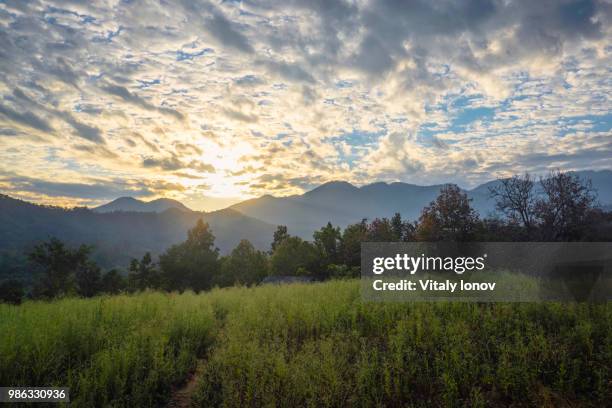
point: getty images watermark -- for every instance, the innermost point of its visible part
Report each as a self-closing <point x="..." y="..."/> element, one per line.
<point x="486" y="271"/>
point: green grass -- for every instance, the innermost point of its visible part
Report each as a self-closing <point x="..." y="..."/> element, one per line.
<point x="310" y="345"/>
<point x="121" y="350"/>
<point x="319" y="345"/>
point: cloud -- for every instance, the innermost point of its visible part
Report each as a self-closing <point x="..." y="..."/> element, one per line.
<point x="240" y="116"/>
<point x="173" y="163"/>
<point x="143" y="140"/>
<point x="372" y="56"/>
<point x="276" y="96"/>
<point x="225" y="31"/>
<point x="85" y="131"/>
<point x="91" y="133"/>
<point x="95" y="190"/>
<point x="128" y="96"/>
<point x="188" y="148"/>
<point x="168" y="163"/>
<point x="96" y="150"/>
<point x="8" y="132"/>
<point x="249" y="80"/>
<point x="288" y="71"/>
<point x="59" y="69"/>
<point x="26" y="118"/>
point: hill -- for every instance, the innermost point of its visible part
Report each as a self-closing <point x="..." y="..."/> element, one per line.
<point x="343" y="203"/>
<point x="116" y="236"/>
<point x="130" y="204"/>
<point x="338" y="202"/>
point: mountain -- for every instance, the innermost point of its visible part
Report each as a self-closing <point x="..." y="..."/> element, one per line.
<point x="127" y="228"/>
<point x="338" y="202"/>
<point x="343" y="203"/>
<point x="116" y="236"/>
<point x="130" y="204"/>
<point x="602" y="182"/>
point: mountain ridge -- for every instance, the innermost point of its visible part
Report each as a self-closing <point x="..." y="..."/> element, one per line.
<point x="118" y="236"/>
<point x="343" y="203"/>
<point x="131" y="204"/>
<point x="330" y="192"/>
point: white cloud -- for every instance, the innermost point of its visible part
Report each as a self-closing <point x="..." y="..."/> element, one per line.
<point x="277" y="96"/>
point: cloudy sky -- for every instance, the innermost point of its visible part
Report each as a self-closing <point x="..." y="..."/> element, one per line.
<point x="193" y="99"/>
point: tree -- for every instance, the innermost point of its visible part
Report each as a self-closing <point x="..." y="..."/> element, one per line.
<point x="564" y="209"/>
<point x="397" y="226"/>
<point x="598" y="226"/>
<point x="403" y="231"/>
<point x="496" y="229"/>
<point x="294" y="256"/>
<point x="448" y="218"/>
<point x="279" y="236"/>
<point x="381" y="230"/>
<point x="11" y="291"/>
<point x="143" y="274"/>
<point x="192" y="264"/>
<point x="244" y="265"/>
<point x="87" y="278"/>
<point x="342" y="271"/>
<point x="59" y="265"/>
<point x="328" y="241"/>
<point x="112" y="282"/>
<point x="515" y="197"/>
<point x="352" y="237"/>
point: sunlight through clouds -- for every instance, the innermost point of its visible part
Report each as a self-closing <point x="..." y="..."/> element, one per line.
<point x="200" y="101"/>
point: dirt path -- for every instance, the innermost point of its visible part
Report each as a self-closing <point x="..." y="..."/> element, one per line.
<point x="181" y="397"/>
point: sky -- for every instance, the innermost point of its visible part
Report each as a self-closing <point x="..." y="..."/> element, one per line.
<point x="214" y="102"/>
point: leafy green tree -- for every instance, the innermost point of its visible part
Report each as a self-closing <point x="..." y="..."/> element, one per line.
<point x="143" y="274"/>
<point x="328" y="242"/>
<point x="403" y="231"/>
<point x="112" y="282"/>
<point x="279" y="236"/>
<point x="294" y="256"/>
<point x="342" y="271"/>
<point x="192" y="264"/>
<point x="397" y="226"/>
<point x="352" y="237"/>
<point x="245" y="265"/>
<point x="448" y="218"/>
<point x="59" y="265"/>
<point x="11" y="291"/>
<point x="88" y="279"/>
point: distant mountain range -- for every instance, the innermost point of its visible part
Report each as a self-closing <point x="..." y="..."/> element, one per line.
<point x="343" y="203"/>
<point x="130" y="204"/>
<point x="117" y="236"/>
<point x="127" y="227"/>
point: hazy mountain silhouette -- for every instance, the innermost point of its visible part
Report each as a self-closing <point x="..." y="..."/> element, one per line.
<point x="339" y="202"/>
<point x="130" y="204"/>
<point x="117" y="236"/>
<point x="127" y="227"/>
<point x="343" y="203"/>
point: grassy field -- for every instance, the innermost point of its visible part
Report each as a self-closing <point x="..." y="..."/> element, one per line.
<point x="310" y="345"/>
<point x="120" y="350"/>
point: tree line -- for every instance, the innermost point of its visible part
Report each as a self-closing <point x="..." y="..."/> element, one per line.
<point x="560" y="207"/>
